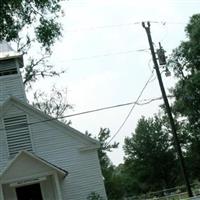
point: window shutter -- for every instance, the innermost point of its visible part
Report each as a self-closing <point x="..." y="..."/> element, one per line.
<point x="18" y="136"/>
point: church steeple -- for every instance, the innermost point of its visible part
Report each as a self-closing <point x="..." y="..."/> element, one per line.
<point x="11" y="83"/>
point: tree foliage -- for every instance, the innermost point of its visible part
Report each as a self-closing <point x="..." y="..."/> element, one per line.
<point x="94" y="196"/>
<point x="54" y="104"/>
<point x="185" y="62"/>
<point x="38" y="68"/>
<point x="103" y="137"/>
<point x="19" y="15"/>
<point x="32" y="25"/>
<point x="149" y="157"/>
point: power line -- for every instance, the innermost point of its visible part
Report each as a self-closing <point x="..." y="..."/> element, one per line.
<point x="129" y="113"/>
<point x="108" y="54"/>
<point x="120" y="52"/>
<point x="144" y="102"/>
<point x="93" y="28"/>
<point x="168" y="22"/>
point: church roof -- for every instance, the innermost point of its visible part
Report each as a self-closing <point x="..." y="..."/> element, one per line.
<point x="27" y="161"/>
<point x="5" y="47"/>
<point x="6" y="51"/>
<point x="91" y="143"/>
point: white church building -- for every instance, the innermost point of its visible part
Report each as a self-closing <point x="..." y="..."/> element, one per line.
<point x="40" y="158"/>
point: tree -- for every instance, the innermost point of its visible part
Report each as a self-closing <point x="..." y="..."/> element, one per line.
<point x="54" y="104"/>
<point x="19" y="15"/>
<point x="150" y="162"/>
<point x="94" y="196"/>
<point x="103" y="138"/>
<point x="185" y="61"/>
<point x="107" y="167"/>
<point x="28" y="23"/>
<point x="38" y="68"/>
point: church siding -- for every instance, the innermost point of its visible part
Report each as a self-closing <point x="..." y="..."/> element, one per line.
<point x="52" y="141"/>
<point x="59" y="147"/>
<point x="11" y="85"/>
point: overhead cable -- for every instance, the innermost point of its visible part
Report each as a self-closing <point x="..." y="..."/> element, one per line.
<point x="109" y="54"/>
<point x="143" y="102"/>
<point x="93" y="28"/>
<point x="131" y="110"/>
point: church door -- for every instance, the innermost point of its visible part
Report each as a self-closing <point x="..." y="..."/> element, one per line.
<point x="29" y="192"/>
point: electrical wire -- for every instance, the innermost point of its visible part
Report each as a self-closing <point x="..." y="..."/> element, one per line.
<point x="143" y="102"/>
<point x="120" y="52"/>
<point x="93" y="28"/>
<point x="131" y="110"/>
<point x="108" y="54"/>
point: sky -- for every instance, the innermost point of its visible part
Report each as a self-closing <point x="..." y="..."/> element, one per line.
<point x="105" y="53"/>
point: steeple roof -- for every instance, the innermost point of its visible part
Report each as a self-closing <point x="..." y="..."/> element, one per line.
<point x="6" y="51"/>
<point x="5" y="47"/>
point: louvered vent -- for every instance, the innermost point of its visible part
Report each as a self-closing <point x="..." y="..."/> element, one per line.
<point x="8" y="67"/>
<point x="18" y="136"/>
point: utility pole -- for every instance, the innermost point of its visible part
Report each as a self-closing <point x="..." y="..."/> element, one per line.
<point x="168" y="109"/>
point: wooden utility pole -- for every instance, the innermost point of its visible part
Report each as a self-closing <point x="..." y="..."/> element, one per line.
<point x="168" y="109"/>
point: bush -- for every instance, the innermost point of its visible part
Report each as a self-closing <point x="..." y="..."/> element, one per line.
<point x="94" y="196"/>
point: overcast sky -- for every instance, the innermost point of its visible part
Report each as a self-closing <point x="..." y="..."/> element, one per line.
<point x="104" y="51"/>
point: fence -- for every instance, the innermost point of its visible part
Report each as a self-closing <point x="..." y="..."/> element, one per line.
<point x="177" y="193"/>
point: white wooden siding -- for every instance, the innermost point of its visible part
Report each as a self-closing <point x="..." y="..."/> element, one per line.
<point x="11" y="85"/>
<point x="4" y="154"/>
<point x="58" y="147"/>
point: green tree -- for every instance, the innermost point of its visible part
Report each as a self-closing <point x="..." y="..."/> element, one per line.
<point x="150" y="162"/>
<point x="104" y="137"/>
<point x="94" y="196"/>
<point x="20" y="15"/>
<point x="185" y="61"/>
<point x="29" y="23"/>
